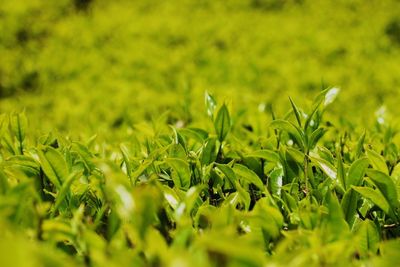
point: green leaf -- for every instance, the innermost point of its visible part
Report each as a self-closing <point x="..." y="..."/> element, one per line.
<point x="209" y="153"/>
<point x="289" y="200"/>
<point x="375" y="196"/>
<point x="368" y="237"/>
<point x="178" y="139"/>
<point x="336" y="224"/>
<point x="244" y="195"/>
<point x="18" y="125"/>
<point x="268" y="155"/>
<point x="388" y="253"/>
<point x="171" y="196"/>
<point x="248" y="175"/>
<point x="26" y="164"/>
<point x="340" y="170"/>
<point x="315" y="136"/>
<point x="360" y="144"/>
<point x="297" y="155"/>
<point x="356" y="172"/>
<point x="327" y="96"/>
<point x="228" y="172"/>
<point x="8" y="144"/>
<point x="267" y="218"/>
<point x="139" y="171"/>
<point x="192" y="197"/>
<point x="386" y="185"/>
<point x="330" y="95"/>
<point x="377" y="161"/>
<point x="317" y="104"/>
<point x="65" y="189"/>
<point x="275" y="181"/>
<point x="296" y="112"/>
<point x="349" y="206"/>
<point x="218" y="243"/>
<point x="210" y="104"/>
<point x="194" y="133"/>
<point x="85" y="155"/>
<point x="290" y="128"/>
<point x="53" y="165"/>
<point x="177" y="151"/>
<point x="126" y="158"/>
<point x="181" y="176"/>
<point x="222" y="123"/>
<point x="325" y="166"/>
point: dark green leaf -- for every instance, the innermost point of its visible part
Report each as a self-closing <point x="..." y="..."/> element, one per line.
<point x="209" y="153"/>
<point x="349" y="206"/>
<point x="296" y="111"/>
<point x="222" y="123"/>
<point x="18" y="125"/>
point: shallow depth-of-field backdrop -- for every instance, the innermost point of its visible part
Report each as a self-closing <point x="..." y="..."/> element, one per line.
<point x="92" y="66"/>
<point x="161" y="133"/>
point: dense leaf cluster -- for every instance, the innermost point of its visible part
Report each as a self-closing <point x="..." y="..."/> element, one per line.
<point x="192" y="197"/>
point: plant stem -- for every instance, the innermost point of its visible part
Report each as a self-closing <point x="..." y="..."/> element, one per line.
<point x="306" y="170"/>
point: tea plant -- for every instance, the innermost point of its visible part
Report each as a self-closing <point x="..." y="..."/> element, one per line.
<point x="202" y="197"/>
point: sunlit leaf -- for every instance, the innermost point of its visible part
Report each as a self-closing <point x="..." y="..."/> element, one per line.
<point x="211" y="104"/>
<point x="182" y="174"/>
<point x="368" y="237"/>
<point x="377" y="161"/>
<point x="326" y="167"/>
<point x="290" y="128"/>
<point x="375" y="196"/>
<point x="268" y="155"/>
<point x="248" y="175"/>
<point x="275" y="181"/>
<point x="356" y="172"/>
<point x="331" y="95"/>
<point x="65" y="189"/>
<point x="386" y="185"/>
<point x="54" y="165"/>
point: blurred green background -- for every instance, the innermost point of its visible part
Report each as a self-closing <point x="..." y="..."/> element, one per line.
<point x="96" y="66"/>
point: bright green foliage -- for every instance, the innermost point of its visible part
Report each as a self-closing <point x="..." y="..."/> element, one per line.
<point x="183" y="196"/>
<point x="123" y="163"/>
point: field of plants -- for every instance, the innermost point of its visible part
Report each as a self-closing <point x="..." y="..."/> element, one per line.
<point x="199" y="133"/>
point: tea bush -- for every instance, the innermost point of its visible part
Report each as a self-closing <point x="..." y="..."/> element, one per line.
<point x="111" y="154"/>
